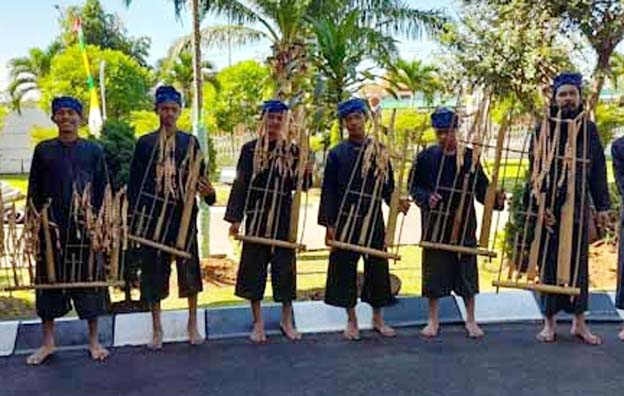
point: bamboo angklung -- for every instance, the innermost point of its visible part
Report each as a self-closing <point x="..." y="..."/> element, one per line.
<point x="173" y="187"/>
<point x="551" y="168"/>
<point x="434" y="235"/>
<point x="89" y="238"/>
<point x="291" y="147"/>
<point x="373" y="159"/>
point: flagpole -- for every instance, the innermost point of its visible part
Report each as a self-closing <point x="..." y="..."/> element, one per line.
<point x="95" y="115"/>
<point x="103" y="89"/>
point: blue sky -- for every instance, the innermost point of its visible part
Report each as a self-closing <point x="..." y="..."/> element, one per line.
<point x="33" y="23"/>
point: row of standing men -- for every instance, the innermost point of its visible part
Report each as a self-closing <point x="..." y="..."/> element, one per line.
<point x="67" y="162"/>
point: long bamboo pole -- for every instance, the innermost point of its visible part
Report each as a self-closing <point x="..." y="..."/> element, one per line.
<point x="490" y="195"/>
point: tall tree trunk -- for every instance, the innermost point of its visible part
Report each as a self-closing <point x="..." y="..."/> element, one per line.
<point x="198" y="124"/>
<point x="599" y="75"/>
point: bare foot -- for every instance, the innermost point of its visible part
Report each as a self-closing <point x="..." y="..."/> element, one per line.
<point x="98" y="352"/>
<point x="289" y="331"/>
<point x="194" y="337"/>
<point x="582" y="332"/>
<point x="621" y="335"/>
<point x="351" y="332"/>
<point x="474" y="331"/>
<point x="40" y="356"/>
<point x="257" y="335"/>
<point x="431" y="330"/>
<point x="384" y="329"/>
<point x="156" y="344"/>
<point x="547" y="335"/>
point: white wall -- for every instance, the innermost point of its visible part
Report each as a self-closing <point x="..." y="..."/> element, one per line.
<point x="16" y="148"/>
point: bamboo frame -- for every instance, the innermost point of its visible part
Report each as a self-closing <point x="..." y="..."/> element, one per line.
<point x="363" y="250"/>
<point x="68" y="285"/>
<point x="171" y="184"/>
<point x="194" y="166"/>
<point x="547" y="152"/>
<point x="278" y="161"/>
<point x="271" y="242"/>
<point x="539" y="287"/>
<point x="458" y="249"/>
<point x="434" y="234"/>
<point x="88" y="235"/>
<point x="165" y="248"/>
<point x="366" y="162"/>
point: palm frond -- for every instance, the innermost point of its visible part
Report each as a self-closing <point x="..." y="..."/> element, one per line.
<point x="218" y="36"/>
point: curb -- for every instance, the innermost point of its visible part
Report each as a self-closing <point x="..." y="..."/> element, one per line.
<point x="22" y="337"/>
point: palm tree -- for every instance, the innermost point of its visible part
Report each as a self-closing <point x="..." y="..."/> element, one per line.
<point x="414" y="76"/>
<point x="25" y="72"/>
<point x="339" y="49"/>
<point x="288" y="24"/>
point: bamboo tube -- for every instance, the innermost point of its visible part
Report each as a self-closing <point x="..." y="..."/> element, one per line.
<point x="114" y="260"/>
<point x="344" y="233"/>
<point x="539" y="287"/>
<point x="124" y="220"/>
<point x="459" y="213"/>
<point x="566" y="226"/>
<point x="139" y="230"/>
<point x="12" y="247"/>
<point x="271" y="214"/>
<point x="490" y="195"/>
<point x="344" y="197"/>
<point x="395" y="200"/>
<point x="583" y="194"/>
<point x="90" y="265"/>
<point x="161" y="217"/>
<point x="31" y="271"/>
<point x="189" y="197"/>
<point x="265" y="194"/>
<point x="301" y="166"/>
<point x="117" y="235"/>
<point x="73" y="271"/>
<point x="49" y="253"/>
<point x="366" y="223"/>
<point x="513" y="264"/>
<point x="534" y="251"/>
<point x="160" y="246"/>
<point x="458" y="249"/>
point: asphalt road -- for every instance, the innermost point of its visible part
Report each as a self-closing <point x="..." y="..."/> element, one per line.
<point x="507" y="362"/>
